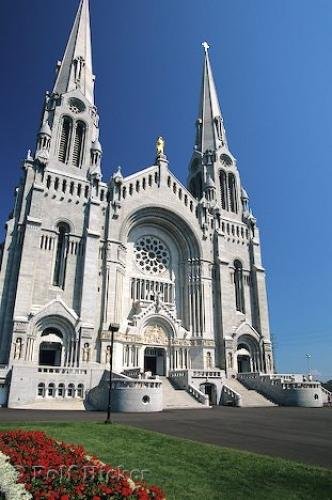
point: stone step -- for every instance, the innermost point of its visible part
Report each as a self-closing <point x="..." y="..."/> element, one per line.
<point x="177" y="398"/>
<point x="54" y="404"/>
<point x="249" y="397"/>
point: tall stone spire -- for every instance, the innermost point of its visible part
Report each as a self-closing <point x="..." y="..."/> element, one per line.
<point x="211" y="153"/>
<point x="210" y="129"/>
<point x="75" y="70"/>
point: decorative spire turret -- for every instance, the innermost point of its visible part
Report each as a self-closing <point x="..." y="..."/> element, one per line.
<point x="213" y="175"/>
<point x="210" y="129"/>
<point x="75" y="69"/>
<point x="68" y="139"/>
<point x="210" y="135"/>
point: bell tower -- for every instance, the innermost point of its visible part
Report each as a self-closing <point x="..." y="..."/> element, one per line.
<point x="213" y="175"/>
<point x="68" y="139"/>
<point x="51" y="252"/>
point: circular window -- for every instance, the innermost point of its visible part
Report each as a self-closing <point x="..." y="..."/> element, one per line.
<point x="152" y="255"/>
<point x="226" y="160"/>
<point x="145" y="400"/>
<point x="76" y="105"/>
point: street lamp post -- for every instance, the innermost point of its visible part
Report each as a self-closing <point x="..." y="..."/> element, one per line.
<point x="114" y="327"/>
<point x="308" y="356"/>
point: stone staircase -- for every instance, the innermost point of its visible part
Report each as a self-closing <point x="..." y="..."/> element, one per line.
<point x="178" y="398"/>
<point x="54" y="404"/>
<point x="249" y="397"/>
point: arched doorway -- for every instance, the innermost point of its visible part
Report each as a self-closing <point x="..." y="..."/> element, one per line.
<point x="243" y="361"/>
<point x="248" y="355"/>
<point x="155" y="361"/>
<point x="211" y="391"/>
<point x="51" y="348"/>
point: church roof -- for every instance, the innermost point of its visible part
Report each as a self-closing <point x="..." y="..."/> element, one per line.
<point x="76" y="67"/>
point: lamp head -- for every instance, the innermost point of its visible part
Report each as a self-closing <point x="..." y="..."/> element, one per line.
<point x="114" y="327"/>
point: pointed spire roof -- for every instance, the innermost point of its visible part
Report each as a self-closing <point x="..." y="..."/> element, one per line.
<point x="211" y="135"/>
<point x="75" y="70"/>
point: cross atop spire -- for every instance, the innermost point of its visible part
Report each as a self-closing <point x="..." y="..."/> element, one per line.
<point x="210" y="129"/>
<point x="206" y="46"/>
<point x="75" y="70"/>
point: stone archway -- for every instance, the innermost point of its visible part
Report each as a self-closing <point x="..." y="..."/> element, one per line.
<point x="51" y="348"/>
<point x="243" y="361"/>
<point x="248" y="355"/>
<point x="156" y="335"/>
<point x="55" y="342"/>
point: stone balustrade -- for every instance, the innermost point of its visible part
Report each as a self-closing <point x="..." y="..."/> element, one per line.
<point x="206" y="373"/>
<point x="62" y="370"/>
<point x="230" y="396"/>
<point x="285" y="389"/>
<point x="199" y="395"/>
<point x="136" y="384"/>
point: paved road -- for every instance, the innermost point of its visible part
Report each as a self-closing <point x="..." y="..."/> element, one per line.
<point x="303" y="434"/>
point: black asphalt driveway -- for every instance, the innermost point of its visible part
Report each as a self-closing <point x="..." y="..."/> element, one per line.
<point x="302" y="434"/>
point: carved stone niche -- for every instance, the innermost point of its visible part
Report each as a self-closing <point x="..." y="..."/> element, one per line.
<point x="155" y="334"/>
<point x="86" y="333"/>
<point x="229" y="344"/>
<point x="20" y="327"/>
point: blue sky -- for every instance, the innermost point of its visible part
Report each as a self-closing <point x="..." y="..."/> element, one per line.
<point x="273" y="68"/>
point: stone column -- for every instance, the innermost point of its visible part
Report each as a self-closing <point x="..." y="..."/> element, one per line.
<point x="89" y="315"/>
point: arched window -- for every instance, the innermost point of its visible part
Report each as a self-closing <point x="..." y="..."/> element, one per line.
<point x="65" y="139"/>
<point x="61" y="255"/>
<point x="239" y="290"/>
<point x="199" y="186"/>
<point x="61" y="390"/>
<point x="232" y="193"/>
<point x="71" y="391"/>
<point x="51" y="390"/>
<point x="78" y="144"/>
<point x="196" y="186"/>
<point x="223" y="190"/>
<point x="41" y="390"/>
<point x="80" y="390"/>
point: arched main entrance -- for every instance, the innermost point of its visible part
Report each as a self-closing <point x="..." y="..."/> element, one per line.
<point x="155" y="360"/>
<point x="50" y="348"/>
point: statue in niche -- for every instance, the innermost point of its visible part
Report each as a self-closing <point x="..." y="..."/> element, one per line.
<point x="268" y="363"/>
<point x="208" y="361"/>
<point x="230" y="360"/>
<point x="18" y="349"/>
<point x="108" y="354"/>
<point x="79" y="64"/>
<point x="86" y="353"/>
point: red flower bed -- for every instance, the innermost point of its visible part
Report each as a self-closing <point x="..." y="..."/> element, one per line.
<point x="58" y="471"/>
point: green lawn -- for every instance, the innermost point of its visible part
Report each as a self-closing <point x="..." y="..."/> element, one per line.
<point x="190" y="470"/>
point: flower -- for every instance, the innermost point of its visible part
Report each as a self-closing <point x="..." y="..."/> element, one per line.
<point x="33" y="465"/>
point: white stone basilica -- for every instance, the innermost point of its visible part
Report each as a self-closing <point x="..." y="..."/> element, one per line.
<point x="177" y="267"/>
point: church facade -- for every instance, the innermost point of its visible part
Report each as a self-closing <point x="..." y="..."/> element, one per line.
<point x="177" y="267"/>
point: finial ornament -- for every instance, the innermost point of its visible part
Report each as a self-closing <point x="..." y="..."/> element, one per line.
<point x="206" y="46"/>
<point x="160" y="146"/>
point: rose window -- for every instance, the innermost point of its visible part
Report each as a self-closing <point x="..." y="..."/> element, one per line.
<point x="76" y="105"/>
<point x="152" y="255"/>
